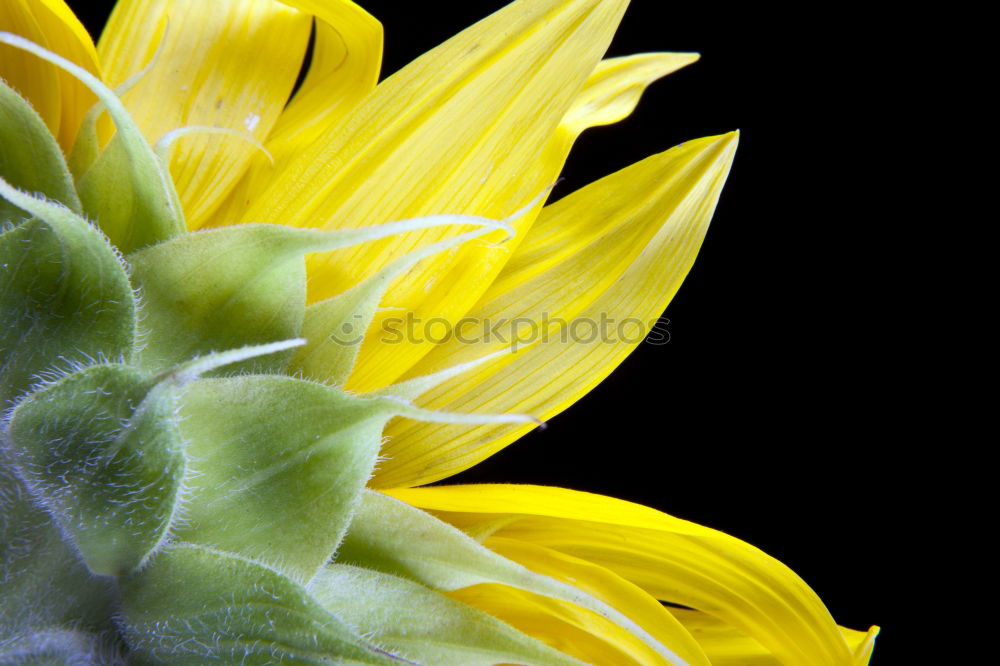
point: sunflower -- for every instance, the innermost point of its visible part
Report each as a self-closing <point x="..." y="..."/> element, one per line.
<point x="251" y="320"/>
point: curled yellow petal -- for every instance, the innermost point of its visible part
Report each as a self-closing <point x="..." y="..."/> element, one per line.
<point x="613" y="91"/>
<point x="459" y="131"/>
<point x="221" y="64"/>
<point x="584" y="289"/>
<point x="346" y="59"/>
<point x="612" y="589"/>
<point x="59" y="98"/>
<point x="671" y="559"/>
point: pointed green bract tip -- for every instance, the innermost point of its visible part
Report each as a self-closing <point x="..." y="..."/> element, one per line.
<point x="127" y="189"/>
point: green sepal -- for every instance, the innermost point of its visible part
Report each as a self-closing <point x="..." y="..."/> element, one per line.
<point x="221" y="289"/>
<point x="128" y="190"/>
<point x="422" y="625"/>
<point x="277" y="465"/>
<point x="44" y="586"/>
<point x="390" y="536"/>
<point x="30" y="158"/>
<point x="396" y="538"/>
<point x="65" y="296"/>
<point x="100" y="450"/>
<point x="130" y="193"/>
<point x="195" y="605"/>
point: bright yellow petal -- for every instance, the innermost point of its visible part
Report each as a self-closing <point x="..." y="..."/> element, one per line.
<point x="671" y="559"/>
<point x="59" y="98"/>
<point x="345" y="65"/>
<point x="222" y="64"/>
<point x="727" y="646"/>
<point x="612" y="92"/>
<point x="614" y="590"/>
<point x="34" y="79"/>
<point x="461" y="130"/>
<point x="346" y="59"/>
<point x="617" y="251"/>
<point x="568" y="628"/>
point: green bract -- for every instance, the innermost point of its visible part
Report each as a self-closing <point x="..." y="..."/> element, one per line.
<point x="29" y="159"/>
<point x="101" y="453"/>
<point x="172" y="489"/>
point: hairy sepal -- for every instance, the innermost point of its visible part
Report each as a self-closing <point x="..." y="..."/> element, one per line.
<point x="221" y="289"/>
<point x="422" y="625"/>
<point x="65" y="297"/>
<point x="45" y="587"/>
<point x="30" y="158"/>
<point x="195" y="605"/>
<point x="101" y="452"/>
<point x="277" y="465"/>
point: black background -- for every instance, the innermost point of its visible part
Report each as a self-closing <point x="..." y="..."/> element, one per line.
<point x="773" y="412"/>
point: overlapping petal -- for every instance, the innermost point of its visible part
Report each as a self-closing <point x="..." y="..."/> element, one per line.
<point x="613" y="590"/>
<point x="462" y="129"/>
<point x="344" y="68"/>
<point x="221" y="64"/>
<point x="727" y="646"/>
<point x="671" y="559"/>
<point x="617" y="251"/>
<point x="60" y="99"/>
<point x="345" y="64"/>
<point x="568" y="628"/>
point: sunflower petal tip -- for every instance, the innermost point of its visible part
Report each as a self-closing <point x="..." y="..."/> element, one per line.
<point x="728" y="141"/>
<point x="863" y="653"/>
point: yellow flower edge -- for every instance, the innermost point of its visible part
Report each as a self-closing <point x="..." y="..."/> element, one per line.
<point x="477" y="126"/>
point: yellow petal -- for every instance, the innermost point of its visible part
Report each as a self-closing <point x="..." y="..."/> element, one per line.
<point x="461" y="130"/>
<point x="34" y="79"/>
<point x="617" y="251"/>
<point x="612" y="92"/>
<point x="671" y="559"/>
<point x="222" y="64"/>
<point x="614" y="590"/>
<point x="345" y="64"/>
<point x="568" y="628"/>
<point x="727" y="646"/>
<point x="59" y="98"/>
